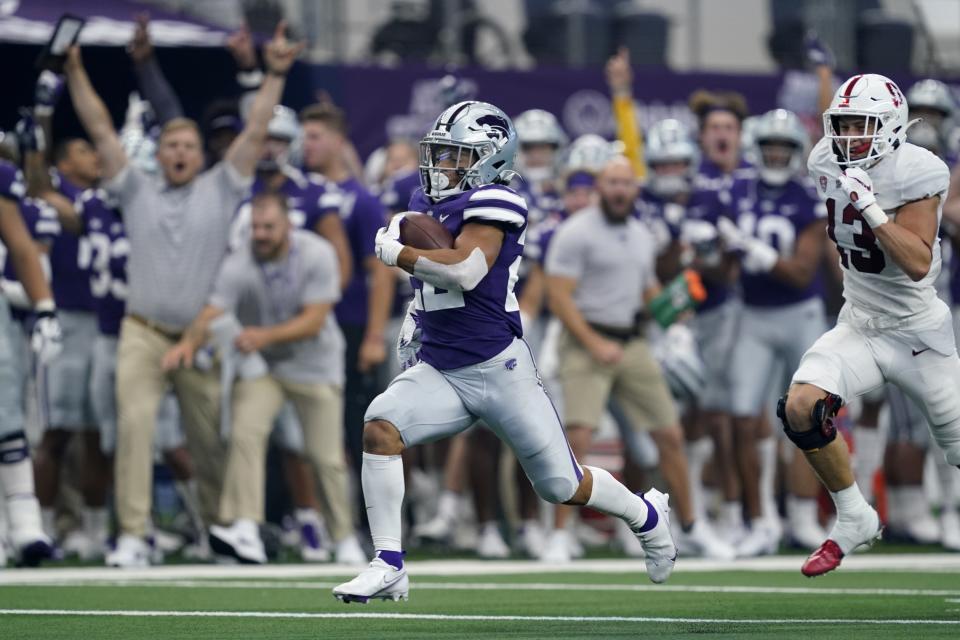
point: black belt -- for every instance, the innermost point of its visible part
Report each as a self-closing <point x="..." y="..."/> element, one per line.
<point x="620" y="334"/>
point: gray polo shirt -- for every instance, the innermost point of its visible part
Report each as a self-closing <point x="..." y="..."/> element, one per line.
<point x="263" y="294"/>
<point x="178" y="237"/>
<point x="613" y="263"/>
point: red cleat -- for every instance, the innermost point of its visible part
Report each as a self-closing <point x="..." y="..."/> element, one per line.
<point x="826" y="558"/>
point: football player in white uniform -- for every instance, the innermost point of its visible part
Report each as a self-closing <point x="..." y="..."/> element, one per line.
<point x="884" y="200"/>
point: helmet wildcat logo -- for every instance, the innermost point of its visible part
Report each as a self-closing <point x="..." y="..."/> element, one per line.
<point x="495" y="127"/>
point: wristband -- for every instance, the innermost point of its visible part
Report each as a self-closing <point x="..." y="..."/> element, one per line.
<point x="250" y="78"/>
<point x="874" y="215"/>
<point x="45" y="307"/>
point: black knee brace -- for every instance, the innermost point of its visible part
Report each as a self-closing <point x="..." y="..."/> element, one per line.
<point x="821" y="419"/>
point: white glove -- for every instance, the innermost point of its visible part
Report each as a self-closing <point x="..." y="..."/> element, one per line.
<point x="47" y="338"/>
<point x="388" y="245"/>
<point x="730" y="234"/>
<point x="408" y="342"/>
<point x="758" y="257"/>
<point x="858" y="186"/>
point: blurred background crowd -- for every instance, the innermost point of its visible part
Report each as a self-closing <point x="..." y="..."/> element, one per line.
<point x="145" y="442"/>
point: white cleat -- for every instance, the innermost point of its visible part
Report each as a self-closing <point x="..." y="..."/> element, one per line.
<point x="438" y="530"/>
<point x="491" y="544"/>
<point x="379" y="581"/>
<point x="950" y="529"/>
<point x="762" y="540"/>
<point x="658" y="544"/>
<point x="532" y="538"/>
<point x="349" y="552"/>
<point x="627" y="540"/>
<point x="702" y="541"/>
<point x="241" y="541"/>
<point x="132" y="552"/>
<point x="557" y="549"/>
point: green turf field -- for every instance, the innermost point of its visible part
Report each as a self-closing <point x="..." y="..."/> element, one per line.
<point x="213" y="602"/>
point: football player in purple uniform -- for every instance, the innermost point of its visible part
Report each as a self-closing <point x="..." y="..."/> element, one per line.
<point x="473" y="362"/>
<point x="780" y="222"/>
<point x="30" y="543"/>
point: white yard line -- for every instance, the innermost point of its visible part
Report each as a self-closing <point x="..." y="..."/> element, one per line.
<point x="511" y="586"/>
<point x="444" y="617"/>
<point x="933" y="563"/>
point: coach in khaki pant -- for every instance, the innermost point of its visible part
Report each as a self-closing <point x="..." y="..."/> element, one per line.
<point x="600" y="273"/>
<point x="281" y="290"/>
<point x="178" y="225"/>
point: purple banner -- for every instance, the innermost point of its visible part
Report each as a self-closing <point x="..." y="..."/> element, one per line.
<point x="403" y="103"/>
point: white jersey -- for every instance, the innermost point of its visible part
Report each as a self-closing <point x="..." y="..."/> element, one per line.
<point x="872" y="282"/>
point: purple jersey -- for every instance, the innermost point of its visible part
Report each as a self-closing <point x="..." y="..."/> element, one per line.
<point x="309" y="199"/>
<point x="103" y="230"/>
<point x="662" y="217"/>
<point x="362" y="215"/>
<point x="42" y="223"/>
<point x="706" y="206"/>
<point x="538" y="240"/>
<point x="12" y="186"/>
<point x="462" y="328"/>
<point x="70" y="258"/>
<point x="399" y="190"/>
<point x="710" y="176"/>
<point x="541" y="201"/>
<point x="777" y="216"/>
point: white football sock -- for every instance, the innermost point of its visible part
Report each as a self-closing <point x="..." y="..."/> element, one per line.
<point x="948" y="477"/>
<point x="382" y="481"/>
<point x="95" y="522"/>
<point x="48" y="518"/>
<point x="16" y="479"/>
<point x="448" y="505"/>
<point x="698" y="452"/>
<point x="867" y="455"/>
<point x="767" y="452"/>
<point x="849" y="502"/>
<point x="611" y="497"/>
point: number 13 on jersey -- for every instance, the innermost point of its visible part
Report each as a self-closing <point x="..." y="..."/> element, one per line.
<point x="854" y="239"/>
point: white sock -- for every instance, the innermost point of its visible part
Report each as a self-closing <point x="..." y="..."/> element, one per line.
<point x="16" y="479"/>
<point x="698" y="452"/>
<point x="849" y="501"/>
<point x="767" y="450"/>
<point x="867" y="454"/>
<point x="448" y="505"/>
<point x="731" y="514"/>
<point x="95" y="522"/>
<point x="949" y="480"/>
<point x="915" y="503"/>
<point x="800" y="510"/>
<point x="611" y="497"/>
<point x="48" y="518"/>
<point x="382" y="481"/>
<point x="896" y="516"/>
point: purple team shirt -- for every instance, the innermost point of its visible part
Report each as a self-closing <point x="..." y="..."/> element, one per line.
<point x="362" y="215"/>
<point x="777" y="216"/>
<point x="103" y="230"/>
<point x="462" y="328"/>
<point x="70" y="260"/>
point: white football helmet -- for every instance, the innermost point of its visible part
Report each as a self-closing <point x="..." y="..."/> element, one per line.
<point x="589" y="153"/>
<point x="536" y="126"/>
<point x="932" y="94"/>
<point x="479" y="138"/>
<point x="284" y="125"/>
<point x="784" y="127"/>
<point x="669" y="141"/>
<point x="879" y="101"/>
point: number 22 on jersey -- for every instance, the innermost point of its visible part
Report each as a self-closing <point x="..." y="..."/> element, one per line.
<point x="854" y="239"/>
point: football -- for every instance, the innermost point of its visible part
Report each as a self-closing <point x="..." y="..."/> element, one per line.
<point x="420" y="231"/>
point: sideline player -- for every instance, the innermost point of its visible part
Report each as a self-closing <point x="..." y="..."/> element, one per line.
<point x="884" y="200"/>
<point x="474" y="364"/>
